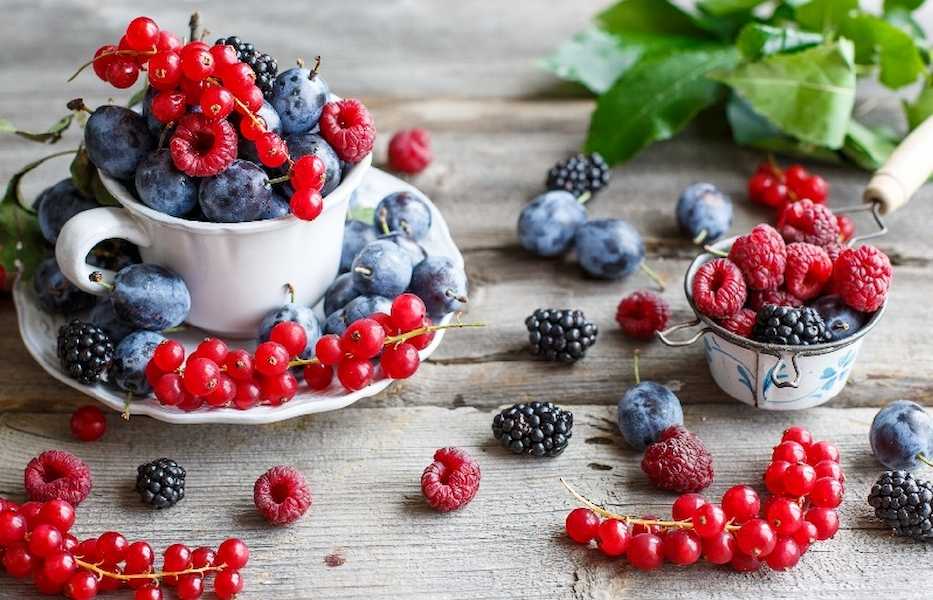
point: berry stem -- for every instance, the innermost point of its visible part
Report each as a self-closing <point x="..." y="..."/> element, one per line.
<point x="715" y="252"/>
<point x="281" y="179"/>
<point x="630" y="520"/>
<point x="923" y="458"/>
<point x="585" y="197"/>
<point x="290" y="291"/>
<point x="364" y="271"/>
<point x="701" y="237"/>
<point x="193" y="23"/>
<point x="77" y="104"/>
<point x="653" y="275"/>
<point x="317" y="67"/>
<point x="155" y="576"/>
<point x="455" y="296"/>
<point x="637" y="374"/>
<point x="111" y="53"/>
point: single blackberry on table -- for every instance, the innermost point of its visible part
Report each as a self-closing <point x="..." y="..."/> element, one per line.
<point x="560" y="335"/>
<point x="790" y="326"/>
<point x="904" y="504"/>
<point x="161" y="483"/>
<point x="265" y="67"/>
<point x="85" y="351"/>
<point x="579" y="174"/>
<point x="538" y="428"/>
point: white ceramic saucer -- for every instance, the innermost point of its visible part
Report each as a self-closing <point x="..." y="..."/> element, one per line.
<point x="39" y="331"/>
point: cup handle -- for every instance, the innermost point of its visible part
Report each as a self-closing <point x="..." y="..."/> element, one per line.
<point x="908" y="167"/>
<point x="84" y="231"/>
<point x="782" y="362"/>
<point x="664" y="336"/>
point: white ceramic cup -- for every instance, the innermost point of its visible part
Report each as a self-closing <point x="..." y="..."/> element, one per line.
<point x="235" y="272"/>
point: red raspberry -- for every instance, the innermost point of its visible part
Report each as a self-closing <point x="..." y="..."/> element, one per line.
<point x="56" y="474"/>
<point x="410" y="151"/>
<point x="781" y="297"/>
<point x="678" y="462"/>
<point x="846" y="227"/>
<point x="451" y="481"/>
<point x="643" y="313"/>
<point x="201" y="147"/>
<point x="806" y="221"/>
<point x="282" y="495"/>
<point x="741" y="323"/>
<point x="761" y="256"/>
<point x="718" y="289"/>
<point x="808" y="270"/>
<point x="834" y="250"/>
<point x="862" y="276"/>
<point x="348" y="127"/>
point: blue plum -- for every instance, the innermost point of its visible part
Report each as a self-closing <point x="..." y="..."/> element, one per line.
<point x="56" y="293"/>
<point x="609" y="248"/>
<point x="440" y="284"/>
<point x="104" y="316"/>
<point x="56" y="205"/>
<point x="404" y="212"/>
<point x="164" y="188"/>
<point x="302" y="315"/>
<point x="117" y="140"/>
<point x="900" y="432"/>
<point x="239" y="193"/>
<point x="278" y="207"/>
<point x="299" y="96"/>
<point x="841" y="320"/>
<point x="362" y="307"/>
<point x="414" y="250"/>
<point x="339" y="293"/>
<point x="646" y="410"/>
<point x="381" y="269"/>
<point x="704" y="213"/>
<point x="150" y="297"/>
<point x="155" y="126"/>
<point x="307" y="144"/>
<point x="548" y="225"/>
<point x="336" y="322"/>
<point x="356" y="234"/>
<point x="128" y="369"/>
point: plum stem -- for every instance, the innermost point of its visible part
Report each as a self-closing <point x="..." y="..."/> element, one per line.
<point x="922" y="458"/>
<point x="637" y="374"/>
<point x="715" y="252"/>
<point x="653" y="275"/>
<point x="585" y="197"/>
<point x="290" y="292"/>
<point x="281" y="179"/>
<point x="455" y="296"/>
<point x="98" y="278"/>
<point x="193" y="23"/>
<point x="701" y="237"/>
<point x="364" y="271"/>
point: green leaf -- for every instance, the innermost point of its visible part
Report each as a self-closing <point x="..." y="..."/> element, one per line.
<point x="920" y="109"/>
<point x="138" y="96"/>
<point x="751" y="129"/>
<point x="867" y="147"/>
<point x="647" y="16"/>
<point x="366" y="214"/>
<point x="13" y="195"/>
<point x="824" y="15"/>
<point x="100" y="193"/>
<point x="82" y="172"/>
<point x="719" y="8"/>
<point x="902" y="18"/>
<point x="6" y="126"/>
<point x="808" y="94"/>
<point x="50" y="136"/>
<point x="910" y="5"/>
<point x="655" y="99"/>
<point x="879" y="42"/>
<point x="757" y="40"/>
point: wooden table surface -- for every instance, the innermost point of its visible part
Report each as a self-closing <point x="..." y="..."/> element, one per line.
<point x="467" y="71"/>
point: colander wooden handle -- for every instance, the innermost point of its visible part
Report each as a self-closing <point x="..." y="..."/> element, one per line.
<point x="908" y="167"/>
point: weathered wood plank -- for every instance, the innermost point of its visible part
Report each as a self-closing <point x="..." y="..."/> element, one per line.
<point x="364" y="465"/>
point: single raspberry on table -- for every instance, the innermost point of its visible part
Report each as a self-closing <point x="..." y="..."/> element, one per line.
<point x="451" y="481"/>
<point x="862" y="276"/>
<point x="741" y="323"/>
<point x="410" y="151"/>
<point x="806" y="221"/>
<point x="201" y="147"/>
<point x="57" y="475"/>
<point x="282" y="495"/>
<point x="761" y="256"/>
<point x="808" y="269"/>
<point x="348" y="127"/>
<point x="642" y="313"/>
<point x="719" y="289"/>
<point x="781" y="297"/>
<point x="678" y="462"/>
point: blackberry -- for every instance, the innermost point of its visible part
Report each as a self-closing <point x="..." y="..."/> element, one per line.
<point x="539" y="428"/>
<point x="85" y="351"/>
<point x="560" y="335"/>
<point x="264" y="66"/>
<point x="579" y="174"/>
<point x="904" y="504"/>
<point x="790" y="326"/>
<point x="161" y="483"/>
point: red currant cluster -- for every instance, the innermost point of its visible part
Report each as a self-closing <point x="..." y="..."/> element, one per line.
<point x="806" y="484"/>
<point x="216" y="376"/>
<point x="36" y="541"/>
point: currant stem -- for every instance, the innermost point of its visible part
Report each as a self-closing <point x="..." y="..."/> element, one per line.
<point x="155" y="576"/>
<point x="715" y="252"/>
<point x="699" y="239"/>
<point x="923" y="458"/>
<point x="125" y="415"/>
<point x="637" y="375"/>
<point x="193" y="23"/>
<point x="653" y="275"/>
<point x="111" y="53"/>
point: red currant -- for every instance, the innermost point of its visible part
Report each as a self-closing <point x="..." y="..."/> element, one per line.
<point x="168" y="355"/>
<point x="400" y="361"/>
<point x="44" y="540"/>
<point x="741" y="503"/>
<point x="799" y="435"/>
<point x="775" y="195"/>
<point x="30" y="510"/>
<point x="785" y="516"/>
<point x="59" y="567"/>
<point x="791" y="452"/>
<point x="165" y="71"/>
<point x="328" y="350"/>
<point x="239" y="364"/>
<point x="122" y="73"/>
<point x="112" y="547"/>
<point x="363" y="339"/>
<point x="190" y="586"/>
<point x="805" y="536"/>
<point x="386" y="322"/>
<point x="202" y="557"/>
<point x="799" y="479"/>
<point x="827" y="493"/>
<point x="318" y="376"/>
<point x="248" y="395"/>
<point x="643" y="528"/>
<point x="197" y="63"/>
<point x="88" y="423"/>
<point x="191" y="403"/>
<point x="167" y="41"/>
<point x="142" y="33"/>
<point x="139" y="556"/>
<point x="168" y="107"/>
<point x="101" y="63"/>
<point x="306" y="204"/>
<point x="70" y="544"/>
<point x="13" y="527"/>
<point x="135" y="56"/>
<point x="149" y="592"/>
<point x="308" y="172"/>
<point x="278" y="389"/>
<point x="408" y="312"/>
<point x="252" y="128"/>
<point x="192" y="90"/>
<point x="682" y="547"/>
<point x="646" y="551"/>
<point x="719" y="549"/>
<point x="87" y="550"/>
<point x="176" y="557"/>
<point x="169" y="389"/>
<point x="785" y="555"/>
<point x="17" y="560"/>
<point x="814" y="187"/>
<point x="821" y="451"/>
<point x="251" y="96"/>
<point x="794" y="174"/>
<point x="355" y="373"/>
<point x="582" y="525"/>
<point x="828" y="468"/>
<point x="756" y="538"/>
<point x="223" y="394"/>
<point x="424" y="340"/>
<point x="234" y="553"/>
<point x="291" y="335"/>
<point x="708" y="520"/>
<point x="227" y="584"/>
<point x="213" y="349"/>
<point x="686" y="505"/>
<point x="109" y="584"/>
<point x="82" y="586"/>
<point x="238" y="78"/>
<point x="152" y="373"/>
<point x="224" y="56"/>
<point x="613" y="537"/>
<point x="271" y="149"/>
<point x="201" y="376"/>
<point x="216" y="102"/>
<point x="271" y="358"/>
<point x="60" y="514"/>
<point x="744" y="563"/>
<point x="774" y="476"/>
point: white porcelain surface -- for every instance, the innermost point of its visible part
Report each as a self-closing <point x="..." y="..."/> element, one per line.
<point x="235" y="272"/>
<point x="39" y="331"/>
